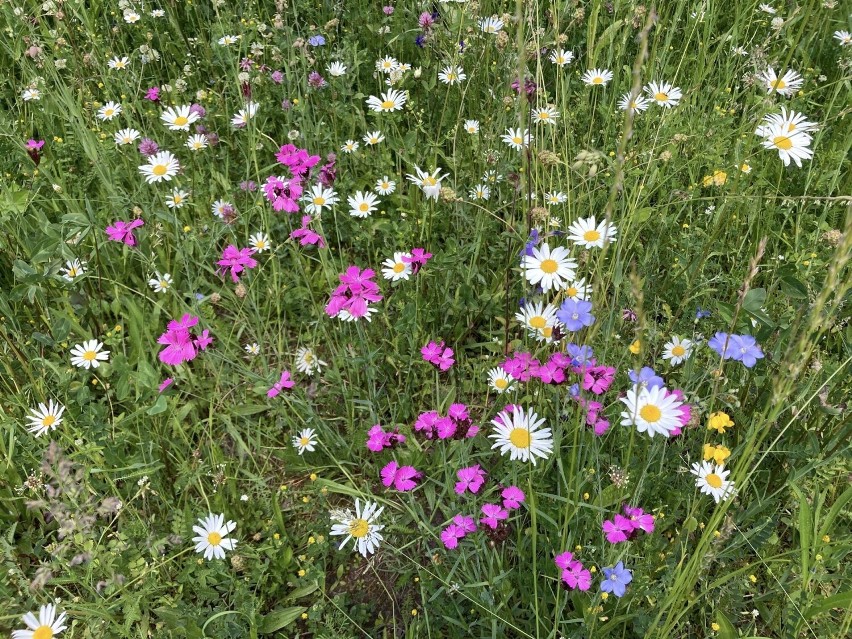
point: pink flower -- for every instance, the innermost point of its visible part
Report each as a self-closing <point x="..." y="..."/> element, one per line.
<point x="466" y="524"/>
<point x="470" y="478"/>
<point x="237" y="260"/>
<point x="513" y="497"/>
<point x="403" y="478"/>
<point x="280" y="385"/>
<point x="378" y="439"/>
<point x="297" y="160"/>
<point x="307" y="236"/>
<point x="283" y="193"/>
<point x="494" y="514"/>
<point x="354" y="294"/>
<point x="165" y="384"/>
<point x="521" y="366"/>
<point x="563" y="560"/>
<point x="598" y="379"/>
<point x="458" y="412"/>
<point x="179" y="341"/>
<point x="204" y="340"/>
<point x="618" y="529"/>
<point x="600" y="427"/>
<point x="123" y="231"/>
<point x="549" y="373"/>
<point x="684" y="409"/>
<point x="432" y="351"/>
<point x="417" y="258"/>
<point x="451" y="535"/>
<point x="445" y="427"/>
<point x="576" y="576"/>
<point x="639" y="519"/>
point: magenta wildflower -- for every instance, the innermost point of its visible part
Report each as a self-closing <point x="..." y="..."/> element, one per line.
<point x="438" y="355"/>
<point x="277" y="77"/>
<point x="297" y="160"/>
<point x="425" y="20"/>
<point x="237" y="260"/>
<point x="467" y="524"/>
<point x="306" y="235"/>
<point x="378" y="439"/>
<point x="684" y="409"/>
<point x="283" y="193"/>
<point x="494" y="514"/>
<point x="123" y="231"/>
<point x="513" y="497"/>
<point x="165" y="384"/>
<point x="351" y="299"/>
<point x="285" y="382"/>
<point x="181" y="345"/>
<point x="417" y="258"/>
<point x="316" y="81"/>
<point x="470" y="478"/>
<point x="402" y="478"/>
<point x="153" y="94"/>
<point x="148" y="147"/>
<point x="248" y="185"/>
<point x="33" y="147"/>
<point x="328" y="173"/>
<point x="576" y="576"/>
<point x="617" y="529"/>
<point x="598" y="379"/>
<point x="387" y="10"/>
<point x="640" y="519"/>
<point x="451" y="535"/>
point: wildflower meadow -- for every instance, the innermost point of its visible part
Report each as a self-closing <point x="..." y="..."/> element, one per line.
<point x="425" y="319"/>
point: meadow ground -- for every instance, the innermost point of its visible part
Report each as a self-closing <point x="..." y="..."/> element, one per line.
<point x="425" y="319"/>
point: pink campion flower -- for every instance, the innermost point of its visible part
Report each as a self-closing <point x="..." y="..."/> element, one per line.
<point x="180" y="342"/>
<point x="427" y="423"/>
<point x="598" y="379"/>
<point x="467" y="524"/>
<point x="618" y="529"/>
<point x="285" y="382"/>
<point x="639" y="519"/>
<point x="153" y="94"/>
<point x="306" y="235"/>
<point x="432" y="351"/>
<point x="548" y="373"/>
<point x="351" y="299"/>
<point x="576" y="576"/>
<point x="458" y="412"/>
<point x="494" y="514"/>
<point x="446" y="427"/>
<point x="204" y="340"/>
<point x="403" y="478"/>
<point x="237" y="260"/>
<point x="283" y="193"/>
<point x="165" y="384"/>
<point x="297" y="160"/>
<point x="600" y="427"/>
<point x="121" y="231"/>
<point x="513" y="497"/>
<point x="521" y="366"/>
<point x="684" y="409"/>
<point x="446" y="360"/>
<point x="450" y="536"/>
<point x="417" y="258"/>
<point x="470" y="478"/>
<point x="563" y="560"/>
<point x="376" y="438"/>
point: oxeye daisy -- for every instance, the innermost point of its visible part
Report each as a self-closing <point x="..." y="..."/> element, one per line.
<point x="362" y="204"/>
<point x="500" y="380"/>
<point x="385" y="186"/>
<point x="73" y="269"/>
<point x="350" y="146"/>
<point x="545" y="115"/>
<point x="519" y="434"/>
<point x="46" y="626"/>
<point x="260" y="242"/>
<point x="305" y="441"/>
<point x="452" y="75"/>
<point x="393" y="100"/>
<point x="212" y="539"/>
<point x="471" y="126"/>
<point x="429" y="183"/>
<point x="319" y="198"/>
<point x="252" y="349"/>
<point x="177" y="199"/>
<point x="651" y="410"/>
<point x="538" y="319"/>
<point x="336" y="69"/>
<point x="586" y="233"/>
<point x="712" y="479"/>
<point x="516" y="138"/>
<point x="196" y="142"/>
<point x="31" y="94"/>
<point x="89" y="354"/>
<point x="307" y="362"/>
<point x="387" y="64"/>
<point x="222" y="209"/>
<point x="492" y="24"/>
<point x="561" y="57"/>
<point x="551" y="269"/>
<point x="554" y="198"/>
<point x="361" y="527"/>
<point x="663" y="93"/>
<point x="790" y="146"/>
<point x="578" y="290"/>
<point x="843" y="37"/>
<point x="598" y="77"/>
<point x="636" y="105"/>
<point x="677" y="350"/>
<point x="109" y="111"/>
<point x="480" y="192"/>
<point x="242" y="116"/>
<point x="228" y="40"/>
<point x="179" y="118"/>
<point x="790" y="121"/>
<point x="161" y="283"/>
<point x="373" y="137"/>
<point x="395" y="268"/>
<point x="126" y="136"/>
<point x="786" y="85"/>
<point x="161" y="166"/>
<point x="45" y="418"/>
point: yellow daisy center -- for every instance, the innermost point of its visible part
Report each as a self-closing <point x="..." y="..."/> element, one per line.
<point x="164" y="284"/>
<point x="549" y="266"/>
<point x="89" y="355"/>
<point x="430" y="181"/>
<point x="319" y="201"/>
<point x="451" y="76"/>
<point x="548" y="331"/>
<point x="661" y="97"/>
<point x="782" y="142"/>
<point x="304" y="441"/>
<point x="388" y="104"/>
<point x="214" y="538"/>
<point x="779" y="85"/>
<point x="560" y="59"/>
<point x="517" y="140"/>
<point x="520" y="438"/>
<point x="713" y="480"/>
<point x="591" y="235"/>
<point x="538" y="322"/>
<point x="501" y="383"/>
<point x="543" y="115"/>
<point x="308" y="357"/>
<point x="678" y="351"/>
<point x="399" y="267"/>
<point x="43" y="632"/>
<point x="363" y="206"/>
<point x="48" y="421"/>
<point x="177" y="199"/>
<point x="108" y="112"/>
<point x="72" y="272"/>
<point x="181" y="121"/>
<point x="359" y="528"/>
<point x="597" y="80"/>
<point x="571" y="291"/>
<point x="159" y="169"/>
<point x="650" y="413"/>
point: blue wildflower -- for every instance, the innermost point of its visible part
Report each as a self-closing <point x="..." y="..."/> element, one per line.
<point x="745" y="349"/>
<point x="616" y="579"/>
<point x="580" y="355"/>
<point x="316" y="41"/>
<point x="721" y="343"/>
<point x="646" y="378"/>
<point x="574" y="314"/>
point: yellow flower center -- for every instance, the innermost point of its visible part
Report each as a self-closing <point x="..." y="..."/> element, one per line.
<point x="549" y="266"/>
<point x="713" y="480"/>
<point x="319" y="201"/>
<point x="543" y="115"/>
<point x="399" y="267"/>
<point x="501" y="383"/>
<point x="520" y="438"/>
<point x="591" y="235"/>
<point x="159" y="169"/>
<point x="108" y="112"/>
<point x="181" y="121"/>
<point x="72" y="272"/>
<point x="517" y="140"/>
<point x="678" y="351"/>
<point x="48" y="421"/>
<point x="304" y="441"/>
<point x="560" y="59"/>
<point x="430" y="181"/>
<point x="359" y="528"/>
<point x="177" y="199"/>
<point x="164" y="284"/>
<point x="779" y="85"/>
<point x="388" y="104"/>
<point x="650" y="413"/>
<point x="214" y="538"/>
<point x="538" y="322"/>
<point x="308" y="357"/>
<point x="782" y="142"/>
<point x="597" y="80"/>
<point x="661" y="97"/>
<point x="363" y="206"/>
<point x="43" y="632"/>
<point x="451" y="76"/>
<point x="548" y="331"/>
<point x="385" y="186"/>
<point x="89" y="355"/>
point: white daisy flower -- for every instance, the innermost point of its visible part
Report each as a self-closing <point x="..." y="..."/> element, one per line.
<point x="307" y="362"/>
<point x="373" y="137"/>
<point x="561" y="57"/>
<point x="228" y="40"/>
<point x="161" y="282"/>
<point x="586" y="233"/>
<point x="252" y="349"/>
<point x="73" y="269"/>
<point x="363" y="203"/>
<point x="260" y="242"/>
<point x="843" y="37"/>
<point x="545" y="115"/>
<point x="471" y="126"/>
<point x="161" y="166"/>
<point x="790" y="146"/>
<point x="131" y="17"/>
<point x="578" y="290"/>
<point x="636" y="105"/>
<point x="385" y="186"/>
<point x="480" y="192"/>
<point x="452" y="75"/>
<point x="550" y="269"/>
<point x="350" y="146"/>
<point x="46" y="626"/>
<point x="126" y="136"/>
<point x="336" y="69"/>
<point x="361" y="527"/>
<point x="786" y="85"/>
<point x="517" y="139"/>
<point x="89" y="354"/>
<point x="538" y="319"/>
<point x="491" y="25"/>
<point x="118" y="64"/>
<point x="393" y="100"/>
<point x="790" y="121"/>
<point x="555" y="198"/>
<point x="45" y="418"/>
<point x="519" y="434"/>
<point x="222" y="209"/>
<point x="196" y="142"/>
<point x="429" y="183"/>
<point x="500" y="380"/>
<point x="677" y="350"/>
<point x="319" y="198"/>
<point x="599" y="77"/>
<point x="394" y="268"/>
<point x="305" y="441"/>
<point x="242" y="116"/>
<point x="212" y="539"/>
<point x="31" y="94"/>
<point x="109" y="111"/>
<point x="651" y="411"/>
<point x="177" y="199"/>
<point x="664" y="94"/>
<point x="712" y="480"/>
<point x="387" y="64"/>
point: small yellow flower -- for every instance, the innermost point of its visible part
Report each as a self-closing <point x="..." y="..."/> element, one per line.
<point x="311" y="540"/>
<point x="635" y="347"/>
<point x="717" y="534"/>
<point x="717" y="453"/>
<point x="745" y="167"/>
<point x="304" y="615"/>
<point x="296" y="101"/>
<point x="719" y="421"/>
<point x="585" y="496"/>
<point x="604" y="596"/>
<point x="276" y="536"/>
<point x="716" y="627"/>
<point x="826" y="539"/>
<point x="282" y="487"/>
<point x="593" y="569"/>
<point x="414" y="613"/>
<point x="313" y="476"/>
<point x="187" y="228"/>
<point x="752" y="579"/>
<point x="306" y="499"/>
<point x="302" y="572"/>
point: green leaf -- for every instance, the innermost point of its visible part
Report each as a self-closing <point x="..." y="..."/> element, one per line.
<point x="841" y="600"/>
<point x="794" y="288"/>
<point x="726" y="628"/>
<point x="754" y="299"/>
<point x="159" y="407"/>
<point x="278" y="619"/>
<point x="304" y="591"/>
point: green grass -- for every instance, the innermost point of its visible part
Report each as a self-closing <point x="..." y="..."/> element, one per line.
<point x="767" y="252"/>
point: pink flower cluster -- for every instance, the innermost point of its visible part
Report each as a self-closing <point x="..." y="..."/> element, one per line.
<point x="283" y="192"/>
<point x="351" y="299"/>
<point x="522" y="366"/>
<point x="460" y="527"/>
<point x="621" y="528"/>
<point x="378" y="438"/>
<point x="121" y="231"/>
<point x="237" y="260"/>
<point x="493" y="514"/>
<point x="470" y="478"/>
<point x="402" y="478"/>
<point x="684" y="409"/>
<point x="438" y="355"/>
<point x="181" y="345"/>
<point x="455" y="425"/>
<point x="417" y="258"/>
<point x="574" y="574"/>
<point x="297" y="160"/>
<point x="286" y="382"/>
<point x="306" y="235"/>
